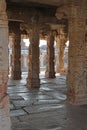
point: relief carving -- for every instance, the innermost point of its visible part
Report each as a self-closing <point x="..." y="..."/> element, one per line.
<point x="2" y="5"/>
<point x="3" y="15"/>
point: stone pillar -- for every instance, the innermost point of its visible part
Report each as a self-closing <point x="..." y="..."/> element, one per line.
<point x="60" y="43"/>
<point x="85" y="70"/>
<point x="50" y="57"/>
<point x="5" y="123"/>
<point x="76" y="78"/>
<point x="16" y="51"/>
<point x="33" y="80"/>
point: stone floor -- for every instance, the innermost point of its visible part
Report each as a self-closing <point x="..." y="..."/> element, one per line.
<point x="44" y="108"/>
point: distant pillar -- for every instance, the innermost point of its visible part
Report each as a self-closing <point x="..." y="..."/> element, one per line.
<point x="5" y="123"/>
<point x="60" y="43"/>
<point x="16" y="51"/>
<point x="33" y="80"/>
<point x="50" y="57"/>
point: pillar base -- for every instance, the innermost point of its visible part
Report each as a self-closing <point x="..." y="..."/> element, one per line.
<point x="50" y="74"/>
<point x="16" y="75"/>
<point x="62" y="71"/>
<point x="78" y="99"/>
<point x="5" y="123"/>
<point x="33" y="83"/>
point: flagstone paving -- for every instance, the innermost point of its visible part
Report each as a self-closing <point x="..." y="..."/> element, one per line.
<point x="44" y="108"/>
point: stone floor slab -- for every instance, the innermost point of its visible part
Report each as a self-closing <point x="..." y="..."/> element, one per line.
<point x="44" y="108"/>
<point x="18" y="112"/>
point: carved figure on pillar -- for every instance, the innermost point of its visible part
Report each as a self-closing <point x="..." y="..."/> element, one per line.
<point x="3" y="15"/>
<point x="2" y="6"/>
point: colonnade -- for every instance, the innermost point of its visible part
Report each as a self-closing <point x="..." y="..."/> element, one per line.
<point x="77" y="56"/>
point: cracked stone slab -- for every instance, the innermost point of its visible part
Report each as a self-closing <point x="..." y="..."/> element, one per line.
<point x="16" y="97"/>
<point x="42" y="108"/>
<point x="22" y="103"/>
<point x="18" y="112"/>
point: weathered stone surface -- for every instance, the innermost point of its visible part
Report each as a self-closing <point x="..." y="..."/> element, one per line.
<point x="61" y="39"/>
<point x="15" y="98"/>
<point x="18" y="112"/>
<point x="50" y="69"/>
<point x="12" y="107"/>
<point x="76" y="80"/>
<point x="42" y="108"/>
<point x="48" y="114"/>
<point x="33" y="80"/>
<point x="14" y="27"/>
<point x="22" y="103"/>
<point x="5" y="123"/>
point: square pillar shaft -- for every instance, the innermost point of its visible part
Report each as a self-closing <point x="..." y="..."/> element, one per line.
<point x="16" y="50"/>
<point x="76" y="80"/>
<point x="50" y="58"/>
<point x="33" y="80"/>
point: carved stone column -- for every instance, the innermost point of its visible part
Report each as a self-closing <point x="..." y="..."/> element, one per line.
<point x="76" y="80"/>
<point x="33" y="80"/>
<point x="60" y="43"/>
<point x="85" y="70"/>
<point x="50" y="58"/>
<point x="5" y="123"/>
<point x="16" y="50"/>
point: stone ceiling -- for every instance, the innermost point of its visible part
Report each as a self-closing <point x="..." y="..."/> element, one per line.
<point x="21" y="10"/>
<point x="43" y="2"/>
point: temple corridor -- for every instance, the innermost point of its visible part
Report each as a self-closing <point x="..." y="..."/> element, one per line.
<point x="56" y="100"/>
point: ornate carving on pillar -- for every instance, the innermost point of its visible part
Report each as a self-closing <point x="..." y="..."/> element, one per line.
<point x="16" y="50"/>
<point x="50" y="58"/>
<point x="61" y="39"/>
<point x="33" y="80"/>
<point x="3" y="15"/>
<point x="5" y="123"/>
<point x="76" y="79"/>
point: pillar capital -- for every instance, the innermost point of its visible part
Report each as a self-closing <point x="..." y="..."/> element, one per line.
<point x="71" y="10"/>
<point x="14" y="28"/>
